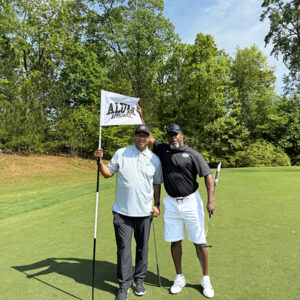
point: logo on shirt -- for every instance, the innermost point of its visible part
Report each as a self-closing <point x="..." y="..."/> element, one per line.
<point x="185" y="155"/>
<point x="148" y="165"/>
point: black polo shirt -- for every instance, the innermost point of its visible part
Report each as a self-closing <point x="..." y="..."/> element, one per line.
<point x="180" y="168"/>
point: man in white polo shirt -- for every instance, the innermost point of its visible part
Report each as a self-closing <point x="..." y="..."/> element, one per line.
<point x="138" y="181"/>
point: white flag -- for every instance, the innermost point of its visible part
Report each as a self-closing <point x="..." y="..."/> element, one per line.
<point x="117" y="109"/>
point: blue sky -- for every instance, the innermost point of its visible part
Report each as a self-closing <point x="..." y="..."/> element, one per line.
<point x="232" y="23"/>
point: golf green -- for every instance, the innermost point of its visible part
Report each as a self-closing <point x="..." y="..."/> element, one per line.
<point x="47" y="210"/>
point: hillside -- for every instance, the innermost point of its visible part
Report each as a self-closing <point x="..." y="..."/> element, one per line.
<point x="33" y="165"/>
<point x="31" y="182"/>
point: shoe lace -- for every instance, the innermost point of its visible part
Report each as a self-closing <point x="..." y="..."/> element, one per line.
<point x="139" y="285"/>
<point x="178" y="281"/>
<point x="207" y="283"/>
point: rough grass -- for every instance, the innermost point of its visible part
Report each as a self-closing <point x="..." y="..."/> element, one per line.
<point x="47" y="222"/>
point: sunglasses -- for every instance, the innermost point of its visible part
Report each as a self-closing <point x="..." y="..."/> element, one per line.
<point x="142" y="135"/>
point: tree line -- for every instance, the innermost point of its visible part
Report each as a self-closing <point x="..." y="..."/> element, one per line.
<point x="56" y="56"/>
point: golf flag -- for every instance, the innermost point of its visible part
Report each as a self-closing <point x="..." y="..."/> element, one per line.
<point x="117" y="109"/>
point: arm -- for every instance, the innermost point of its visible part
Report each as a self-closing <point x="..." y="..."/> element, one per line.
<point x="156" y="196"/>
<point x="209" y="183"/>
<point x="104" y="170"/>
<point x="151" y="138"/>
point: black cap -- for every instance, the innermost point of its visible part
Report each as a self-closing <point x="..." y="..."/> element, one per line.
<point x="142" y="128"/>
<point x="173" y="128"/>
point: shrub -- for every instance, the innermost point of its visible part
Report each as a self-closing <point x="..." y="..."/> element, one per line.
<point x="260" y="154"/>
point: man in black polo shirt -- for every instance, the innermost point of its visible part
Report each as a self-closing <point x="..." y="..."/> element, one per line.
<point x="183" y="205"/>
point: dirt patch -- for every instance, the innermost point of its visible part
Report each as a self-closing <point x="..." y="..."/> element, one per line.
<point x="16" y="165"/>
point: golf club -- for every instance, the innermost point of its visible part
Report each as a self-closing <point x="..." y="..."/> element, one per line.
<point x="206" y="245"/>
<point x="157" y="267"/>
<point x="215" y="184"/>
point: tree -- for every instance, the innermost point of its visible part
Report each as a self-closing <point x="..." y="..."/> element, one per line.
<point x="47" y="73"/>
<point x="223" y="138"/>
<point x="8" y="64"/>
<point x="284" y="33"/>
<point x="254" y="82"/>
<point x="195" y="84"/>
<point x="139" y="38"/>
<point x="33" y="40"/>
<point x="287" y="131"/>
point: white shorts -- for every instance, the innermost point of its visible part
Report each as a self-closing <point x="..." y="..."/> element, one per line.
<point x="179" y="214"/>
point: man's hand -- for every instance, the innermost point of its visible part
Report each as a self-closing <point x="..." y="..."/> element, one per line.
<point x="155" y="211"/>
<point x="151" y="139"/>
<point x="104" y="170"/>
<point x="139" y="110"/>
<point x="210" y="207"/>
<point x="98" y="153"/>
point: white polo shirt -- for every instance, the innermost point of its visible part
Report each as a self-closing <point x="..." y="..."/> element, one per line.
<point x="136" y="173"/>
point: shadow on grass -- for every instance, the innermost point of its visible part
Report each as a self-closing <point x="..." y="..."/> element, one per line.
<point x="81" y="271"/>
<point x="197" y="287"/>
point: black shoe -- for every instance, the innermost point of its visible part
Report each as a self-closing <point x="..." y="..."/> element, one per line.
<point x="122" y="294"/>
<point x="139" y="288"/>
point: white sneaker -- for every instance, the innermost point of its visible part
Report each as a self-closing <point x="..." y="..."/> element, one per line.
<point x="178" y="284"/>
<point x="207" y="288"/>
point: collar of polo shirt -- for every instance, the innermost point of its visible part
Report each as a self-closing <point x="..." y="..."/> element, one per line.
<point x="138" y="152"/>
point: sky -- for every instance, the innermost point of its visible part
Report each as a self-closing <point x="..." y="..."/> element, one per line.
<point x="232" y="23"/>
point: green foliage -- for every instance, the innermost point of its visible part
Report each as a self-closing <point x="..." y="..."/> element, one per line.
<point x="82" y="74"/>
<point x="158" y="134"/>
<point x="75" y="131"/>
<point x="55" y="57"/>
<point x="20" y="131"/>
<point x="33" y="44"/>
<point x="222" y="139"/>
<point x="50" y="92"/>
<point x="254" y="81"/>
<point x="115" y="137"/>
<point x="195" y="82"/>
<point x="284" y="18"/>
<point x="139" y="37"/>
<point x="260" y="154"/>
<point x="289" y="130"/>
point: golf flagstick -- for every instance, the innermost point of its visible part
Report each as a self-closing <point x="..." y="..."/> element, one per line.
<point x="215" y="185"/>
<point x="96" y="217"/>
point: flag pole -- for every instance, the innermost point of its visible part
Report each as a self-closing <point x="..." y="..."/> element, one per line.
<point x="96" y="216"/>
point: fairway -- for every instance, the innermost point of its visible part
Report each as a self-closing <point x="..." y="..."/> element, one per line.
<point x="47" y="224"/>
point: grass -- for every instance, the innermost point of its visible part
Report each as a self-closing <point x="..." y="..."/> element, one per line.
<point x="47" y="223"/>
